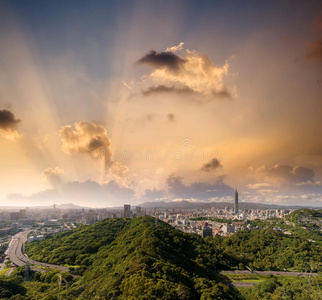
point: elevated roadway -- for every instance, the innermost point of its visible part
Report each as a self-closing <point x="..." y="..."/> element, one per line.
<point x="16" y="255"/>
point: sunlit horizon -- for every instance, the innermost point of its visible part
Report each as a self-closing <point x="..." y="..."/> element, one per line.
<point x="106" y="103"/>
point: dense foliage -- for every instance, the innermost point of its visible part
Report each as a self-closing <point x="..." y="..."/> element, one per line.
<point x="76" y="247"/>
<point x="270" y="250"/>
<point x="10" y="286"/>
<point x="276" y="288"/>
<point x="134" y="259"/>
<point x="304" y="223"/>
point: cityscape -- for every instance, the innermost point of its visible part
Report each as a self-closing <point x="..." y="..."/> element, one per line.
<point x="204" y="222"/>
<point x="160" y="150"/>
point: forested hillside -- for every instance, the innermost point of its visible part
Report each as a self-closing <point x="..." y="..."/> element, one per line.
<point x="304" y="223"/>
<point x="130" y="258"/>
<point x="135" y="259"/>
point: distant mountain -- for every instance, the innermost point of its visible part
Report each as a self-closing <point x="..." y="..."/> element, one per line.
<point x="59" y="206"/>
<point x="69" y="206"/>
<point x="219" y="205"/>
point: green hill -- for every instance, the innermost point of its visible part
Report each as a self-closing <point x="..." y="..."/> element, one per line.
<point x="134" y="259"/>
<point x="269" y="249"/>
<point x="303" y="223"/>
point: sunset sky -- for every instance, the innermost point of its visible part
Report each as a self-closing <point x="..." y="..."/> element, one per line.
<point x="110" y="102"/>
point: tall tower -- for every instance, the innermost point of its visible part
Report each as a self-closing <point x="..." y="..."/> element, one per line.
<point x="236" y="202"/>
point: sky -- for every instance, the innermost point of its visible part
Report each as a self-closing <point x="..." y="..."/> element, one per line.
<point x="110" y="102"/>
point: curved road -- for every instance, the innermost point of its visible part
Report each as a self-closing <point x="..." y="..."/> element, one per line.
<point x="283" y="273"/>
<point x="251" y="283"/>
<point x="16" y="255"/>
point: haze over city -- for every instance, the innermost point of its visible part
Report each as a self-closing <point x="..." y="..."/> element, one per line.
<point x="110" y="102"/>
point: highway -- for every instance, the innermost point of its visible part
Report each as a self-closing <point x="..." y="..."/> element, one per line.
<point x="283" y="273"/>
<point x="251" y="283"/>
<point x="17" y="257"/>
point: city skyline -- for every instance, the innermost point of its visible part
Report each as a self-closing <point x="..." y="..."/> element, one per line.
<point x="103" y="104"/>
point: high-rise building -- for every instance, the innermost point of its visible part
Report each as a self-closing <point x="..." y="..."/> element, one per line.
<point x="236" y="203"/>
<point x="206" y="231"/>
<point x="227" y="228"/>
<point x="138" y="211"/>
<point x="127" y="210"/>
<point x="14" y="216"/>
<point x="90" y="216"/>
<point x="22" y="214"/>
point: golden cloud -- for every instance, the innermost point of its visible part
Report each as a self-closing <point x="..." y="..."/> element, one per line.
<point x="193" y="72"/>
<point x="86" y="138"/>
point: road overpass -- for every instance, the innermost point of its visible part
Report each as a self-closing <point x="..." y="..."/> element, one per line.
<point x="16" y="255"/>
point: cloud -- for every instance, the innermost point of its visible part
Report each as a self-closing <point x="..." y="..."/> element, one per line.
<point x="162" y="89"/>
<point x="256" y="186"/>
<point x="118" y="172"/>
<point x="314" y="50"/>
<point x="84" y="193"/>
<point x="7" y="120"/>
<point x="197" y="190"/>
<point x="154" y="195"/>
<point x="149" y="117"/>
<point x="211" y="165"/>
<point x="127" y="86"/>
<point x="46" y="197"/>
<point x="171" y="118"/>
<point x="54" y="176"/>
<point x="176" y="190"/>
<point x="281" y="180"/>
<point x="175" y="48"/>
<point x="192" y="72"/>
<point x="309" y="183"/>
<point x="284" y="174"/>
<point x="92" y="139"/>
<point x="8" y="123"/>
<point x="86" y="138"/>
<point x="162" y="60"/>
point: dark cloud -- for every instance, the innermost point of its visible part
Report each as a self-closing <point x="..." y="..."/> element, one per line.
<point x="149" y="117"/>
<point x="171" y="117"/>
<point x="7" y="120"/>
<point x="212" y="165"/>
<point x="162" y="89"/>
<point x="302" y="174"/>
<point x="197" y="190"/>
<point x="287" y="174"/>
<point x="162" y="60"/>
<point x="103" y="195"/>
<point x="97" y="142"/>
<point x="314" y="50"/>
<point x="224" y="93"/>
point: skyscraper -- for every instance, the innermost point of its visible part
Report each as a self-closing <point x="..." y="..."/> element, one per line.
<point x="127" y="210"/>
<point x="138" y="211"/>
<point x="236" y="202"/>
